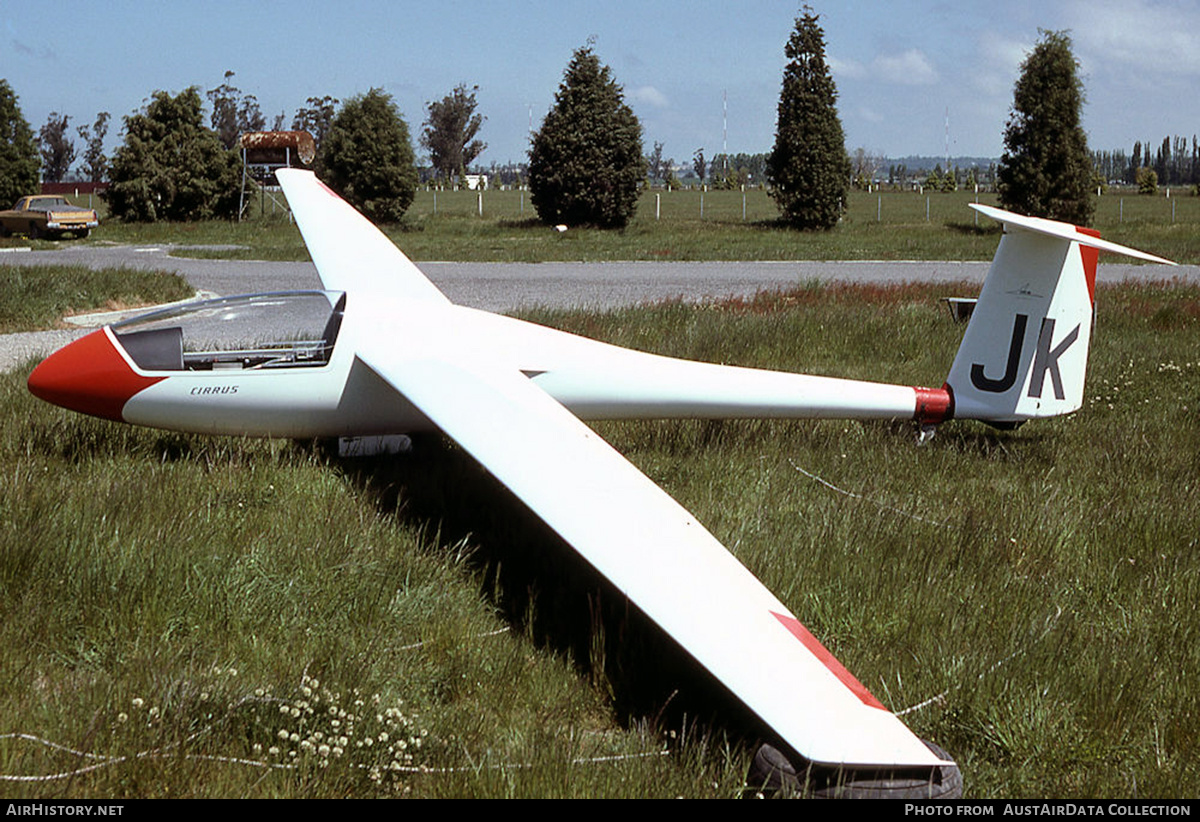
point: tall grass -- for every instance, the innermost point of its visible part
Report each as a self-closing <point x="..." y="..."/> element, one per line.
<point x="1030" y="595"/>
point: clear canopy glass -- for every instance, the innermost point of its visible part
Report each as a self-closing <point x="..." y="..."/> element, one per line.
<point x="286" y="329"/>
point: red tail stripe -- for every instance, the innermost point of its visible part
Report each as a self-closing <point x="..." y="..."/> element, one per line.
<point x="1090" y="257"/>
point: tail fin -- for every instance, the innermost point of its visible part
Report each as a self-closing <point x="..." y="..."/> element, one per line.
<point x="1024" y="354"/>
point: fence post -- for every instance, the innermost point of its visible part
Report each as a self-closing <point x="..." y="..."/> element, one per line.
<point x="879" y="210"/>
<point x="657" y="206"/>
<point x="480" y="203"/>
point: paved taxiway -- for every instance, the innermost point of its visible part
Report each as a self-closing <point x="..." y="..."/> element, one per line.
<point x="512" y="286"/>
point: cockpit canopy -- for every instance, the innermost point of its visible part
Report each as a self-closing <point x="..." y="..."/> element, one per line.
<point x="287" y="329"/>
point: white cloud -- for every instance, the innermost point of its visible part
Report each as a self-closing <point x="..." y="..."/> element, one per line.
<point x="910" y="68"/>
<point x="650" y="96"/>
<point x="845" y="69"/>
<point x="998" y="64"/>
<point x="1147" y="35"/>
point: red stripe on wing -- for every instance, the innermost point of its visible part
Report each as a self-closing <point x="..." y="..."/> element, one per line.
<point x="828" y="660"/>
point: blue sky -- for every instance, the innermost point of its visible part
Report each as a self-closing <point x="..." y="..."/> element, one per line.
<point x="901" y="66"/>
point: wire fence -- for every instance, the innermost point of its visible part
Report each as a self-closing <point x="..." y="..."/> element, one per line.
<point x="755" y="205"/>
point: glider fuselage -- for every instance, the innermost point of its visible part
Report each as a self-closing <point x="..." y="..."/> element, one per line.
<point x="256" y="389"/>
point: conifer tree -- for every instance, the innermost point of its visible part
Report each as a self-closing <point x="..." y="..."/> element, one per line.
<point x="367" y="157"/>
<point x="808" y="170"/>
<point x="19" y="159"/>
<point x="586" y="162"/>
<point x="1046" y="170"/>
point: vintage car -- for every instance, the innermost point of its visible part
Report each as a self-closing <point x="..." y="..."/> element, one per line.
<point x="47" y="216"/>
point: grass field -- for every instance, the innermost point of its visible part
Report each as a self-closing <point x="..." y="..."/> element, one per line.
<point x="36" y="298"/>
<point x="189" y="616"/>
<point x="885" y="226"/>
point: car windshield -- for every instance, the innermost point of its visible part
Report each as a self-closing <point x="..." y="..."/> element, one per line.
<point x="280" y="330"/>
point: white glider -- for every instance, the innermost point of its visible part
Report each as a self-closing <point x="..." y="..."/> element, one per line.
<point x="384" y="352"/>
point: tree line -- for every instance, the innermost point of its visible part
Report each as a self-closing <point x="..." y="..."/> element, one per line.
<point x="176" y="163"/>
<point x="1175" y="161"/>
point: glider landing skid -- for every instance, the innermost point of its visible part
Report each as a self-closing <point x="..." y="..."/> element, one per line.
<point x="772" y="773"/>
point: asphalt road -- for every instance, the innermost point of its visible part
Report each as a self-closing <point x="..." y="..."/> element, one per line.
<point x="510" y="286"/>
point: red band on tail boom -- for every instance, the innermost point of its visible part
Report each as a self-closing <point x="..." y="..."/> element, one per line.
<point x="934" y="405"/>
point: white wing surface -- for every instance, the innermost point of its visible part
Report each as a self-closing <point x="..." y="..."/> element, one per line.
<point x="350" y="253"/>
<point x="651" y="548"/>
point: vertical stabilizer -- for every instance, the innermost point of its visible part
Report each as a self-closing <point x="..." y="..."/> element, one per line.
<point x="1024" y="354"/>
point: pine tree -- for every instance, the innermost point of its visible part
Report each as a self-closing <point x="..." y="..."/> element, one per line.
<point x="808" y="170"/>
<point x="367" y="157"/>
<point x="586" y="162"/>
<point x="19" y="159"/>
<point x="1046" y="169"/>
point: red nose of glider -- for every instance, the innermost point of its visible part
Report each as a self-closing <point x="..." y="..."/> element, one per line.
<point x="90" y="376"/>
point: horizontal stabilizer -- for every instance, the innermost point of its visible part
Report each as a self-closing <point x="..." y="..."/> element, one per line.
<point x="1064" y="231"/>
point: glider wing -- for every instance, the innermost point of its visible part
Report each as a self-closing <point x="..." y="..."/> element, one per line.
<point x="652" y="549"/>
<point x="350" y="253"/>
